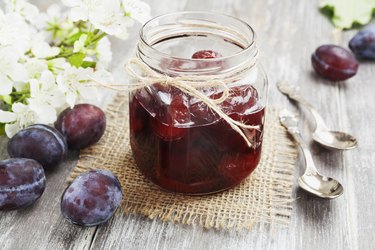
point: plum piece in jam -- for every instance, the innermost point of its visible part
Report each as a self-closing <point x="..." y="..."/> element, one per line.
<point x="167" y="131"/>
<point x="171" y="109"/>
<point x="138" y="117"/>
<point x="206" y="54"/>
<point x="235" y="167"/>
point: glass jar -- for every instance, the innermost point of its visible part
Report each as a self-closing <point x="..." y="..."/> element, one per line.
<point x="178" y="142"/>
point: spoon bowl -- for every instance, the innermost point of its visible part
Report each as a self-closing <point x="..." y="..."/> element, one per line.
<point x="321" y="186"/>
<point x="335" y="139"/>
<point x="329" y="139"/>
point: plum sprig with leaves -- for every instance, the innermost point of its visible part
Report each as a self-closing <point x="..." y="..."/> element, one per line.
<point x="48" y="60"/>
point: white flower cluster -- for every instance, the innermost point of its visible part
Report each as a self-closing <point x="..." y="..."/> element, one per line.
<point x="48" y="60"/>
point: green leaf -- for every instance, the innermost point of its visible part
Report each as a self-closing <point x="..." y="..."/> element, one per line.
<point x="88" y="64"/>
<point x="2" y="129"/>
<point x="347" y="13"/>
<point x="70" y="40"/>
<point x="76" y="59"/>
<point x="6" y="98"/>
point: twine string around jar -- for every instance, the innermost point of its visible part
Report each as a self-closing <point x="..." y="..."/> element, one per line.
<point x="144" y="76"/>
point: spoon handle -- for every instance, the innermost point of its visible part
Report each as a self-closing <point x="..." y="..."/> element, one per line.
<point x="290" y="121"/>
<point x="293" y="93"/>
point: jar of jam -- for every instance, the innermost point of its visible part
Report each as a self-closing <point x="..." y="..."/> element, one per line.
<point x="179" y="142"/>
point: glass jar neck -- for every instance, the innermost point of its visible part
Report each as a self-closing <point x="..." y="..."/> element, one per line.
<point x="167" y="43"/>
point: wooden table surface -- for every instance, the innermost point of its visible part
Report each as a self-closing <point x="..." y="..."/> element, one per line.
<point x="288" y="32"/>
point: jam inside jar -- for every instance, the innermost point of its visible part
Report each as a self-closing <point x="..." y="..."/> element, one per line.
<point x="178" y="142"/>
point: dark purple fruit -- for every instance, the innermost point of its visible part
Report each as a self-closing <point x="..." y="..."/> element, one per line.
<point x="22" y="182"/>
<point x="363" y="43"/>
<point x="39" y="142"/>
<point x="92" y="198"/>
<point x="82" y="126"/>
<point x="334" y="63"/>
<point x="206" y="54"/>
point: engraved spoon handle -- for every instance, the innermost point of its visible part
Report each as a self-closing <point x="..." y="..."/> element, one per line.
<point x="290" y="121"/>
<point x="293" y="93"/>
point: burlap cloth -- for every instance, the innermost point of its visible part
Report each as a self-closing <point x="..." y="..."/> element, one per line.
<point x="263" y="198"/>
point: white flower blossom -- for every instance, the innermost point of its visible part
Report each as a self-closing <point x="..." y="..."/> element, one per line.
<point x="105" y="15"/>
<point x="46" y="91"/>
<point x="35" y="67"/>
<point x="79" y="45"/>
<point x="15" y="32"/>
<point x="56" y="24"/>
<point x="103" y="52"/>
<point x="78" y="85"/>
<point x="45" y="113"/>
<point x="137" y="10"/>
<point x="29" y="11"/>
<point x="6" y="116"/>
<point x="32" y="67"/>
<point x="22" y="116"/>
<point x="79" y="9"/>
<point x="10" y="70"/>
<point x="56" y="65"/>
<point x="41" y="49"/>
<point x="45" y="101"/>
<point x="45" y="98"/>
<point x="54" y="14"/>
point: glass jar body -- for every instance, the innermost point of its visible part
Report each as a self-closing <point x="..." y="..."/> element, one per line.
<point x="178" y="142"/>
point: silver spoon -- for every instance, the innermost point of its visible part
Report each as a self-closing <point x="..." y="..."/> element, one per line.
<point x="322" y="134"/>
<point x="311" y="181"/>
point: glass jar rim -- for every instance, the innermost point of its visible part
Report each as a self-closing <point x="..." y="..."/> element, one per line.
<point x="244" y="50"/>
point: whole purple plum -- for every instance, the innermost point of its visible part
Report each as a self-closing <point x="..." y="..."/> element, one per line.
<point x="82" y="125"/>
<point x="334" y="62"/>
<point x="363" y="43"/>
<point x="40" y="142"/>
<point x="92" y="198"/>
<point x="22" y="182"/>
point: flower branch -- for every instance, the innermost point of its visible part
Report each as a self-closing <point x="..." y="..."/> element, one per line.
<point x="48" y="59"/>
